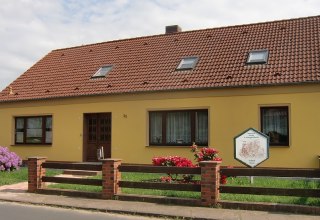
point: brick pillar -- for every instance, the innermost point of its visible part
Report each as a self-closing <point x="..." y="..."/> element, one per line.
<point x="110" y="178"/>
<point x="210" y="182"/>
<point x="35" y="173"/>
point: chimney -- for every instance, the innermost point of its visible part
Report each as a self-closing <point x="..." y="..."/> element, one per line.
<point x="10" y="90"/>
<point x="173" y="29"/>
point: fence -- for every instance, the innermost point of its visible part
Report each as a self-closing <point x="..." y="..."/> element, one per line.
<point x="209" y="185"/>
<point x="109" y="182"/>
<point x="270" y="172"/>
<point x="111" y="177"/>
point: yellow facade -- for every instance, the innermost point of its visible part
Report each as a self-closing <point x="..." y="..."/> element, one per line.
<point x="231" y="111"/>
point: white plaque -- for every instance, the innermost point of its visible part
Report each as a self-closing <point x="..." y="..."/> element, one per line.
<point x="251" y="147"/>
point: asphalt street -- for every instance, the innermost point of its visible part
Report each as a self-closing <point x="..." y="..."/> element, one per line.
<point x="14" y="211"/>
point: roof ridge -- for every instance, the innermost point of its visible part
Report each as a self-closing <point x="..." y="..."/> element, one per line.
<point x="190" y="31"/>
<point x="266" y="22"/>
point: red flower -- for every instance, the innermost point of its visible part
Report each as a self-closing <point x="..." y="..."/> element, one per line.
<point x="194" y="148"/>
<point x="217" y="159"/>
<point x="175" y="161"/>
<point x="223" y="179"/>
<point x="205" y="154"/>
<point x="166" y="179"/>
<point x="158" y="161"/>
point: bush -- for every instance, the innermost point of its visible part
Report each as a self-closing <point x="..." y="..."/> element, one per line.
<point x="9" y="160"/>
<point x="170" y="161"/>
<point x="173" y="161"/>
<point x="205" y="153"/>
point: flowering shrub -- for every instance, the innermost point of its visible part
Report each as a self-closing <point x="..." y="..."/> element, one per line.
<point x="223" y="179"/>
<point x="9" y="160"/>
<point x="205" y="154"/>
<point x="174" y="161"/>
<point x="166" y="179"/>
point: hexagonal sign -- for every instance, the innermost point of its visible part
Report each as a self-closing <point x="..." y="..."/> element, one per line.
<point x="251" y="147"/>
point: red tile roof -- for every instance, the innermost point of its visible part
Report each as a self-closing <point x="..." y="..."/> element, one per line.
<point x="149" y="63"/>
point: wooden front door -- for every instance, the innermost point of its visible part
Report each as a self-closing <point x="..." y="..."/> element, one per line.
<point x="97" y="133"/>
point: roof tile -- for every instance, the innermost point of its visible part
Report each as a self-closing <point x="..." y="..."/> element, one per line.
<point x="149" y="63"/>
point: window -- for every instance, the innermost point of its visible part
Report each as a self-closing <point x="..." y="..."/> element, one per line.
<point x="258" y="57"/>
<point x="188" y="63"/>
<point x="178" y="127"/>
<point x="102" y="72"/>
<point x="275" y="124"/>
<point x="33" y="130"/>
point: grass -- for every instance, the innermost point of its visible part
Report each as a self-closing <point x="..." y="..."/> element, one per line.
<point x="239" y="181"/>
<point x="274" y="183"/>
<point x="147" y="176"/>
<point x="77" y="187"/>
<point x="21" y="175"/>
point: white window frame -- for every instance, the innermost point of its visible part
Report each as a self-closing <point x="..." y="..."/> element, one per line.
<point x="188" y="63"/>
<point x="264" y="57"/>
<point x="102" y="71"/>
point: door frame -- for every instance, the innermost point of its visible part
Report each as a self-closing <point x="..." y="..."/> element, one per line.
<point x="85" y="134"/>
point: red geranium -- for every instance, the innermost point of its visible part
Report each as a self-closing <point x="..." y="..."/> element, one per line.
<point x="205" y="153"/>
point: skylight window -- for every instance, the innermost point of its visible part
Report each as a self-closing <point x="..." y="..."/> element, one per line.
<point x="102" y="72"/>
<point x="188" y="63"/>
<point x="258" y="57"/>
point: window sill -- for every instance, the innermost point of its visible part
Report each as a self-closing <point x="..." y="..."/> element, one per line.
<point x="174" y="146"/>
<point x="168" y="146"/>
<point x="31" y="145"/>
<point x="279" y="146"/>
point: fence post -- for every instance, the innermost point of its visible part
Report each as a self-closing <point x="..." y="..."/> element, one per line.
<point x="110" y="177"/>
<point x="35" y="173"/>
<point x="210" y="182"/>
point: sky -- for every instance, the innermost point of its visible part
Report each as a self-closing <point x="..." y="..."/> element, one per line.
<point x="30" y="29"/>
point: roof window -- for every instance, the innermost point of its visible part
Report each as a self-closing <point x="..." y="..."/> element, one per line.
<point x="102" y="72"/>
<point x="258" y="57"/>
<point x="188" y="63"/>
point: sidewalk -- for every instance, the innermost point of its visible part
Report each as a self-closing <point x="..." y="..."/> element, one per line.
<point x="18" y="193"/>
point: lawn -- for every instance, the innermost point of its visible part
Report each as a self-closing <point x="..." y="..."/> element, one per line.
<point x="21" y="175"/>
<point x="239" y="181"/>
<point x="274" y="183"/>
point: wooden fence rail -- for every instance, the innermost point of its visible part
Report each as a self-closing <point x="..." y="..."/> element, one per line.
<point x="72" y="166"/>
<point x="271" y="172"/>
<point x="80" y="181"/>
<point x="159" y="169"/>
<point x="274" y="172"/>
<point x="161" y="186"/>
<point x="270" y="191"/>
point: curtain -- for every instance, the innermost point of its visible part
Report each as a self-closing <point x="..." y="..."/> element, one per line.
<point x="178" y="128"/>
<point x="155" y="127"/>
<point x="275" y="123"/>
<point x="34" y="130"/>
<point x="48" y="130"/>
<point x="19" y="130"/>
<point x="201" y="127"/>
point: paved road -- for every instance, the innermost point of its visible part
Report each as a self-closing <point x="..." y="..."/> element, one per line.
<point x="14" y="211"/>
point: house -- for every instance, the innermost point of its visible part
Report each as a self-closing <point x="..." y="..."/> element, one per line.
<point x="155" y="95"/>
